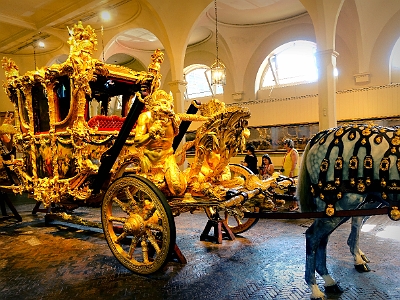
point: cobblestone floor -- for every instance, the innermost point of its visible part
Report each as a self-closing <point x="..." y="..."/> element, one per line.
<point x="267" y="262"/>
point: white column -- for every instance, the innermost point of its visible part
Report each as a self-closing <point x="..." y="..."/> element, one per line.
<point x="326" y="61"/>
<point x="178" y="88"/>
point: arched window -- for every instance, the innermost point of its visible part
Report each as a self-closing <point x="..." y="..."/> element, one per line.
<point x="198" y="78"/>
<point x="289" y="64"/>
<point x="395" y="63"/>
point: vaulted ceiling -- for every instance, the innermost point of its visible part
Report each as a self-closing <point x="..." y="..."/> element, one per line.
<point x="24" y="22"/>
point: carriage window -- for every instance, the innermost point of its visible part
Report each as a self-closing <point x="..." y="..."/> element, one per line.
<point x="115" y="106"/>
<point x="22" y="108"/>
<point x="94" y="108"/>
<point x="40" y="109"/>
<point x="110" y="97"/>
<point x="62" y="101"/>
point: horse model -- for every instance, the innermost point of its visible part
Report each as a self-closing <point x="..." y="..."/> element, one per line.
<point x="346" y="169"/>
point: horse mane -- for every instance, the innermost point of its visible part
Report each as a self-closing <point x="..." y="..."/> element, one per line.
<point x="303" y="192"/>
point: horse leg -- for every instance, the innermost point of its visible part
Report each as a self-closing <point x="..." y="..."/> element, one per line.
<point x="311" y="248"/>
<point x="315" y="250"/>
<point x="360" y="259"/>
<point x="317" y="236"/>
<point x="330" y="284"/>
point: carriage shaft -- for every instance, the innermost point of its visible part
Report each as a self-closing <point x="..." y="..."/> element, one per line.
<point x="312" y="215"/>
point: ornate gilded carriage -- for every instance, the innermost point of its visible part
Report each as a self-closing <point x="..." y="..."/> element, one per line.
<point x="74" y="142"/>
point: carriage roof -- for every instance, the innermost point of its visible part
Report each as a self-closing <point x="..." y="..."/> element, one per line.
<point x="57" y="96"/>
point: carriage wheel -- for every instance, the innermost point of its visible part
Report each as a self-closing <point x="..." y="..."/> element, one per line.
<point x="236" y="224"/>
<point x="138" y="224"/>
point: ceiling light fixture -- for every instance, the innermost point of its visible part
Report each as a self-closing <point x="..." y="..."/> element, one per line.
<point x="218" y="69"/>
<point x="105" y="15"/>
<point x="36" y="44"/>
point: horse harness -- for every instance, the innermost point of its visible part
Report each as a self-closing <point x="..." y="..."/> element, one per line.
<point x="332" y="191"/>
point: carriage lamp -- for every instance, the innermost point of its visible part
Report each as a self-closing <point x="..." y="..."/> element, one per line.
<point x="218" y="69"/>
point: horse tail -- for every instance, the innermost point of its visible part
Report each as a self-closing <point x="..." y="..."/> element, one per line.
<point x="303" y="193"/>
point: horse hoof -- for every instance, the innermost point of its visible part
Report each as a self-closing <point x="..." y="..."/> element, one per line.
<point x="333" y="289"/>
<point x="362" y="268"/>
<point x="365" y="258"/>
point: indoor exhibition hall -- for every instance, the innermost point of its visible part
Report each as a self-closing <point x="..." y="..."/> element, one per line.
<point x="200" y="149"/>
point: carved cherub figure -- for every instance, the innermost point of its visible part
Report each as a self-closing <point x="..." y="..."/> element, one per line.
<point x="154" y="133"/>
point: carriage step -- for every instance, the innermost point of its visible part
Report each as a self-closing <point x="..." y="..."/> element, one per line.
<point x="218" y="226"/>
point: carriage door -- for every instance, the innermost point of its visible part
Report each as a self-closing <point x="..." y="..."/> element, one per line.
<point x="62" y="98"/>
<point x="40" y="107"/>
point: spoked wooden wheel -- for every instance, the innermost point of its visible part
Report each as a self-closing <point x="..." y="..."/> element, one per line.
<point x="236" y="224"/>
<point x="138" y="224"/>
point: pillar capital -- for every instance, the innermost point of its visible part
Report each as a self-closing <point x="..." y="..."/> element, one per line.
<point x="177" y="85"/>
<point x="327" y="52"/>
<point x="178" y="88"/>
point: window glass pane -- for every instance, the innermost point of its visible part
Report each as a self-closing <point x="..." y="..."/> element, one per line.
<point x="292" y="63"/>
<point x="197" y="84"/>
<point x="269" y="79"/>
